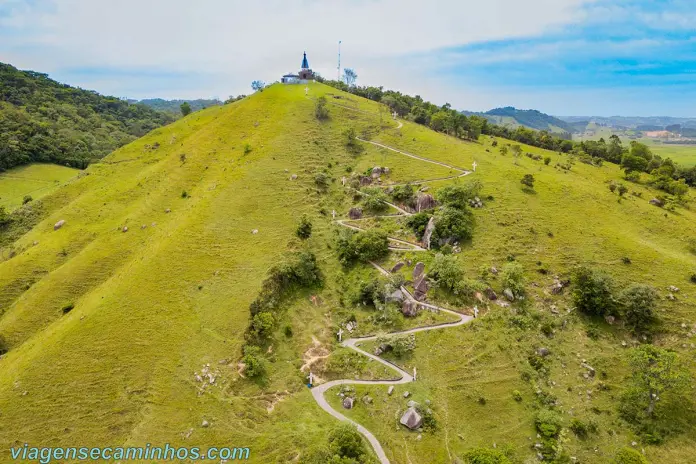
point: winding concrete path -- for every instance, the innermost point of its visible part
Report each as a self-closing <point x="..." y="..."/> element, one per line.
<point x="353" y="343"/>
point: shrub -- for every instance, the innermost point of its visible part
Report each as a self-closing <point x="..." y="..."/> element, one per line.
<point x="247" y="148"/>
<point x="4" y="346"/>
<point x="593" y="292"/>
<point x="446" y="271"/>
<point x="368" y="293"/>
<point x="693" y="278"/>
<point x="512" y="277"/>
<point x="255" y="364"/>
<point x="346" y="442"/>
<point x="184" y="194"/>
<point x="5" y="217"/>
<point x="629" y="456"/>
<point x="304" y="228"/>
<point x="365" y="246"/>
<point x="67" y="308"/>
<point x="548" y="423"/>
<point x="400" y="344"/>
<point x="453" y="224"/>
<point x="320" y="110"/>
<point x="691" y="245"/>
<point x="547" y="160"/>
<point x="632" y="176"/>
<point x="612" y="186"/>
<point x="418" y="223"/>
<point x="582" y="429"/>
<point x="321" y="180"/>
<point x="352" y="140"/>
<point x="638" y="307"/>
<point x="517" y="396"/>
<point x="485" y="456"/>
<point x="26" y="199"/>
<point x="375" y="200"/>
<point x="622" y="189"/>
<point x="262" y="325"/>
<point x="403" y="194"/>
<point x="458" y="196"/>
<point x="528" y="181"/>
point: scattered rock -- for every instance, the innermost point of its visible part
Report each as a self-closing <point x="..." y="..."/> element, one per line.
<point x="205" y="424"/>
<point x="396" y="296"/>
<point x="293" y="177"/>
<point x="348" y="402"/>
<point x="125" y="229"/>
<point x="355" y="213"/>
<point x="397" y="267"/>
<point x="671" y="297"/>
<point x="390" y="390"/>
<point x="673" y="289"/>
<point x="367" y="399"/>
<point x="411" y="419"/>
<point x="418" y="270"/>
<point x="490" y="294"/>
<point x="381" y="349"/>
<point x="657" y="202"/>
<point x="508" y="294"/>
<point x="610" y="319"/>
<point x="59" y="224"/>
<point x="494" y="270"/>
<point x="386" y="171"/>
<point x="407" y="394"/>
<point x="144" y="226"/>
<point x="168" y="210"/>
<point x="543" y="352"/>
<point x="424" y="202"/>
<point x="590" y="370"/>
<point x="255" y="231"/>
<point x="409" y="308"/>
<point x="376" y="172"/>
<point x="365" y="181"/>
<point x="412" y="404"/>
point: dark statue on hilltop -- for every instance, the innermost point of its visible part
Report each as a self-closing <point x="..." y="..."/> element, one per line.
<point x="305" y="74"/>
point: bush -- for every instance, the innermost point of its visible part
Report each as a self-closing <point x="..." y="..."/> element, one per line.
<point x="486" y="456"/>
<point x="629" y="456"/>
<point x="458" y="196"/>
<point x="67" y="308"/>
<point x="26" y="199"/>
<point x="5" y="218"/>
<point x="346" y="442"/>
<point x="320" y="110"/>
<point x="304" y="229"/>
<point x="582" y="429"/>
<point x="446" y="272"/>
<point x="452" y="225"/>
<point x="512" y="277"/>
<point x="365" y="246"/>
<point x="403" y="194"/>
<point x="612" y="186"/>
<point x="369" y="293"/>
<point x="622" y="190"/>
<point x="255" y="364"/>
<point x="547" y="160"/>
<point x="517" y="396"/>
<point x="375" y="200"/>
<point x="247" y="148"/>
<point x="399" y="344"/>
<point x="184" y="194"/>
<point x="262" y="326"/>
<point x="321" y="180"/>
<point x="593" y="292"/>
<point x="4" y="346"/>
<point x="638" y="307"/>
<point x="528" y="181"/>
<point x="548" y="423"/>
<point x="418" y="223"/>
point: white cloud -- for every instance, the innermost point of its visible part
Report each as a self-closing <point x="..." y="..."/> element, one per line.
<point x="237" y="41"/>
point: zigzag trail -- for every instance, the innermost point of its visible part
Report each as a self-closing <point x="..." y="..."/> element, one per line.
<point x="353" y="343"/>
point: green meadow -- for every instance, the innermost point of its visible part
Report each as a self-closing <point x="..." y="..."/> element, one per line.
<point x="107" y="326"/>
<point x="34" y="180"/>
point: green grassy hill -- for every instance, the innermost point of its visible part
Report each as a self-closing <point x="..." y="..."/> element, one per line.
<point x="107" y="327"/>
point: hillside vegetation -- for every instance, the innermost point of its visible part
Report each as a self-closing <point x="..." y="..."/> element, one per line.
<point x="173" y="107"/>
<point x="42" y="120"/>
<point x="209" y="246"/>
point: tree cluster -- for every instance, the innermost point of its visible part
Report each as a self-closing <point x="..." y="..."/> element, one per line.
<point x="42" y="120"/>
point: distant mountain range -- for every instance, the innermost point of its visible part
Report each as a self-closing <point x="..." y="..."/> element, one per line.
<point x="533" y="119"/>
<point x="174" y="106"/>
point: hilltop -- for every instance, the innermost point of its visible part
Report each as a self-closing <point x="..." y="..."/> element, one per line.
<point x="42" y="120"/>
<point x="532" y="119"/>
<point x="200" y="275"/>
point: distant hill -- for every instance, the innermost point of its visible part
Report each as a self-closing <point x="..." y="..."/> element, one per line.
<point x="173" y="107"/>
<point x="533" y="119"/>
<point x="633" y="122"/>
<point x="42" y="120"/>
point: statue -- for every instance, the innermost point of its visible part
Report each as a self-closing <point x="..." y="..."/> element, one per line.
<point x="474" y="164"/>
<point x="340" y="334"/>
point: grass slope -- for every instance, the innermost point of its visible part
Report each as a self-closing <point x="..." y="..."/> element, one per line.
<point x="36" y="180"/>
<point x="154" y="305"/>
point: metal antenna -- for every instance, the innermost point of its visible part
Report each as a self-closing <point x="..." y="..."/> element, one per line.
<point x="338" y="73"/>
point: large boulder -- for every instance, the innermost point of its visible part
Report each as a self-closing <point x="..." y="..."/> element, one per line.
<point x="365" y="181"/>
<point x="418" y="270"/>
<point x="397" y="267"/>
<point x="396" y="296"/>
<point x="348" y="402"/>
<point x="657" y="202"/>
<point x="409" y="308"/>
<point x="430" y="228"/>
<point x="490" y="294"/>
<point x="425" y="201"/>
<point x="421" y="288"/>
<point x="411" y="419"/>
<point x="509" y="295"/>
<point x="376" y="172"/>
<point x="355" y="213"/>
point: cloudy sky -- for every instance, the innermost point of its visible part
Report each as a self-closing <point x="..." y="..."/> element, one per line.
<point x="565" y="57"/>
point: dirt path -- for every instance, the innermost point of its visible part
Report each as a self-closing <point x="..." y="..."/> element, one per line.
<point x="354" y="343"/>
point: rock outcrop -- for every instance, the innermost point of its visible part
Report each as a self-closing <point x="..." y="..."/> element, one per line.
<point x="411" y="419"/>
<point x="355" y="213"/>
<point x="425" y="201"/>
<point x="430" y="228"/>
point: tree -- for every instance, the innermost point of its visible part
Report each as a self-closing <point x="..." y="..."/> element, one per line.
<point x="512" y="277"/>
<point x="516" y="150"/>
<point x="350" y="76"/>
<point x="631" y="163"/>
<point x="445" y="270"/>
<point x="655" y="373"/>
<point x="593" y="292"/>
<point x="257" y="86"/>
<point x="185" y="109"/>
<point x="458" y="196"/>
<point x="346" y="442"/>
<point x="27" y="199"/>
<point x="547" y="160"/>
<point x="528" y="181"/>
<point x="452" y="224"/>
<point x="304" y="229"/>
<point x="622" y="189"/>
<point x="364" y="246"/>
<point x="638" y="304"/>
<point x="255" y="364"/>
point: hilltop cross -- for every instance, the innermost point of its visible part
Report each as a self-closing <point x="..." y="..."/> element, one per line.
<point x="333" y="214"/>
<point x="340" y="334"/>
<point x="475" y="311"/>
<point x="311" y="378"/>
<point x="306" y="89"/>
<point x="474" y="165"/>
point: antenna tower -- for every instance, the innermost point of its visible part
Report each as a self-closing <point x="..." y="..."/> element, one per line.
<point x="338" y="72"/>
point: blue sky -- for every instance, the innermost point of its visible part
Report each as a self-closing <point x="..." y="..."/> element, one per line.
<point x="565" y="57"/>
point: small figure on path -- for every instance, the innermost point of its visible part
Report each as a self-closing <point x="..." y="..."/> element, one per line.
<point x="474" y="164"/>
<point x="340" y="334"/>
<point x="475" y="311"/>
<point x="414" y="373"/>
